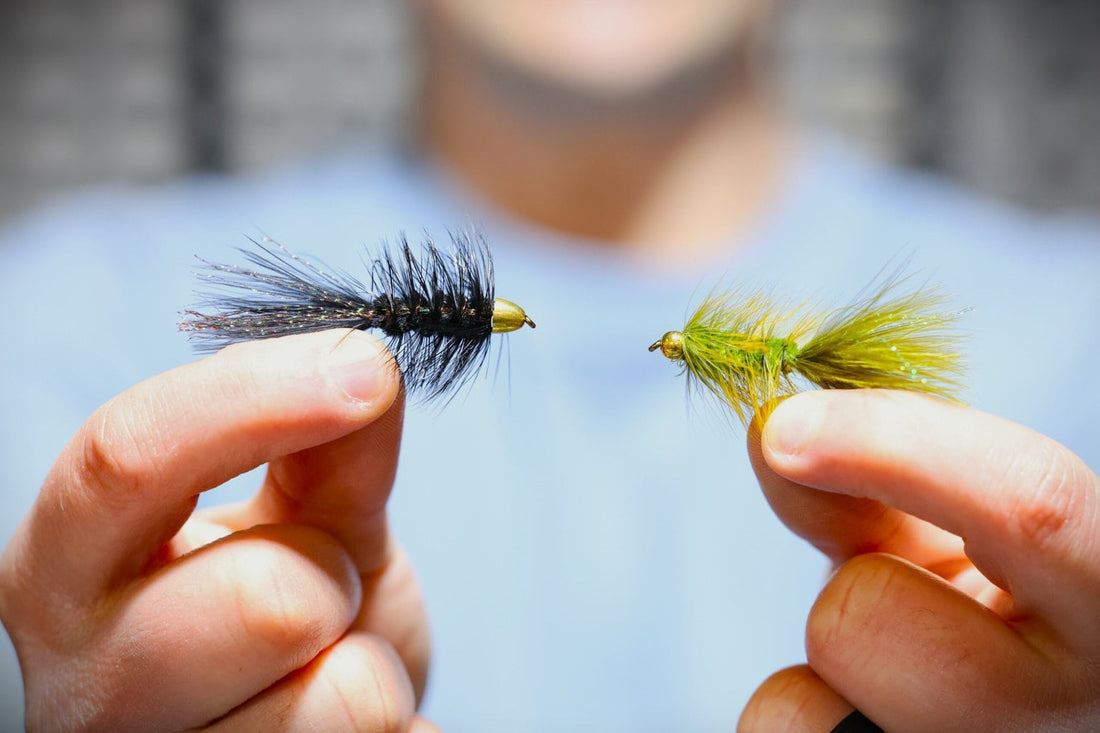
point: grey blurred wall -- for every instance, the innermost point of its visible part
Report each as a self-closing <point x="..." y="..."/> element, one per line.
<point x="1001" y="94"/>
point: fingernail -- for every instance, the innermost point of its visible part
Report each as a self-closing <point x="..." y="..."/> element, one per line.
<point x="356" y="365"/>
<point x="793" y="425"/>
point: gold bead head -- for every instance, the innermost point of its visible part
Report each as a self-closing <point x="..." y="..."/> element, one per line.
<point x="671" y="345"/>
<point x="507" y="316"/>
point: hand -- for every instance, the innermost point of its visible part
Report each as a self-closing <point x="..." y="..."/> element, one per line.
<point x="968" y="590"/>
<point x="293" y="611"/>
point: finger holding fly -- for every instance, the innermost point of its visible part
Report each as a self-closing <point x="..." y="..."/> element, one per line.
<point x="341" y="487"/>
<point x="93" y="595"/>
<point x="903" y="473"/>
<point x="1027" y="508"/>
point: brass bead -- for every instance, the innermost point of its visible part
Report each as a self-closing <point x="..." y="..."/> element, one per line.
<point x="671" y="345"/>
<point x="507" y="316"/>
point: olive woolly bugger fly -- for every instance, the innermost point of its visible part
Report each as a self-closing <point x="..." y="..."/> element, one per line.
<point x="437" y="309"/>
<point x="750" y="350"/>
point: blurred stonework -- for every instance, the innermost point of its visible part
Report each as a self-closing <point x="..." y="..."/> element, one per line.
<point x="1003" y="95"/>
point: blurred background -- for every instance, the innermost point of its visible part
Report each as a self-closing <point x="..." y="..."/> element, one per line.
<point x="1003" y="95"/>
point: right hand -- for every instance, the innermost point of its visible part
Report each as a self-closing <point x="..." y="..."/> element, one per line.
<point x="968" y="585"/>
<point x="293" y="611"/>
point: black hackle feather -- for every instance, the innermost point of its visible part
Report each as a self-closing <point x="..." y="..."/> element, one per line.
<point x="434" y="307"/>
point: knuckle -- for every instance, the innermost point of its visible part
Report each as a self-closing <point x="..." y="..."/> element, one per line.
<point x="788" y="700"/>
<point x="841" y="610"/>
<point x="112" y="456"/>
<point x="273" y="607"/>
<point x="367" y="664"/>
<point x="1051" y="489"/>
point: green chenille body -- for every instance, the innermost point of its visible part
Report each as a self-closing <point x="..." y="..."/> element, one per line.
<point x="749" y="350"/>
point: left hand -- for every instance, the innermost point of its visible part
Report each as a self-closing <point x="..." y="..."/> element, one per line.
<point x="295" y="611"/>
<point x="968" y="590"/>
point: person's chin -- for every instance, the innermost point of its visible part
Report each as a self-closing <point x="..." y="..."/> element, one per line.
<point x="579" y="88"/>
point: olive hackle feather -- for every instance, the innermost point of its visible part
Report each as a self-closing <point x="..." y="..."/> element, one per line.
<point x="750" y="350"/>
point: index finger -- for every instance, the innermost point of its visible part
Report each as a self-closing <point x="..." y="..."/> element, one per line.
<point x="1026" y="507"/>
<point x="131" y="476"/>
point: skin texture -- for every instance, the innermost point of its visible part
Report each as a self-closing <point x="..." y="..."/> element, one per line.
<point x="295" y="609"/>
<point x="919" y="628"/>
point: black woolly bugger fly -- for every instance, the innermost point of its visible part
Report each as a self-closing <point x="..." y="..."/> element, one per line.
<point x="436" y="309"/>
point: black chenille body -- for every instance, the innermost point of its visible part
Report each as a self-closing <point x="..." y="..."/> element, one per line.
<point x="435" y="307"/>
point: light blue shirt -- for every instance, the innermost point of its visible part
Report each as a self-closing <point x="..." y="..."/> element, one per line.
<point x="594" y="550"/>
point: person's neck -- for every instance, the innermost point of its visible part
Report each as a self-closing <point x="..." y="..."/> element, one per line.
<point x="672" y="187"/>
